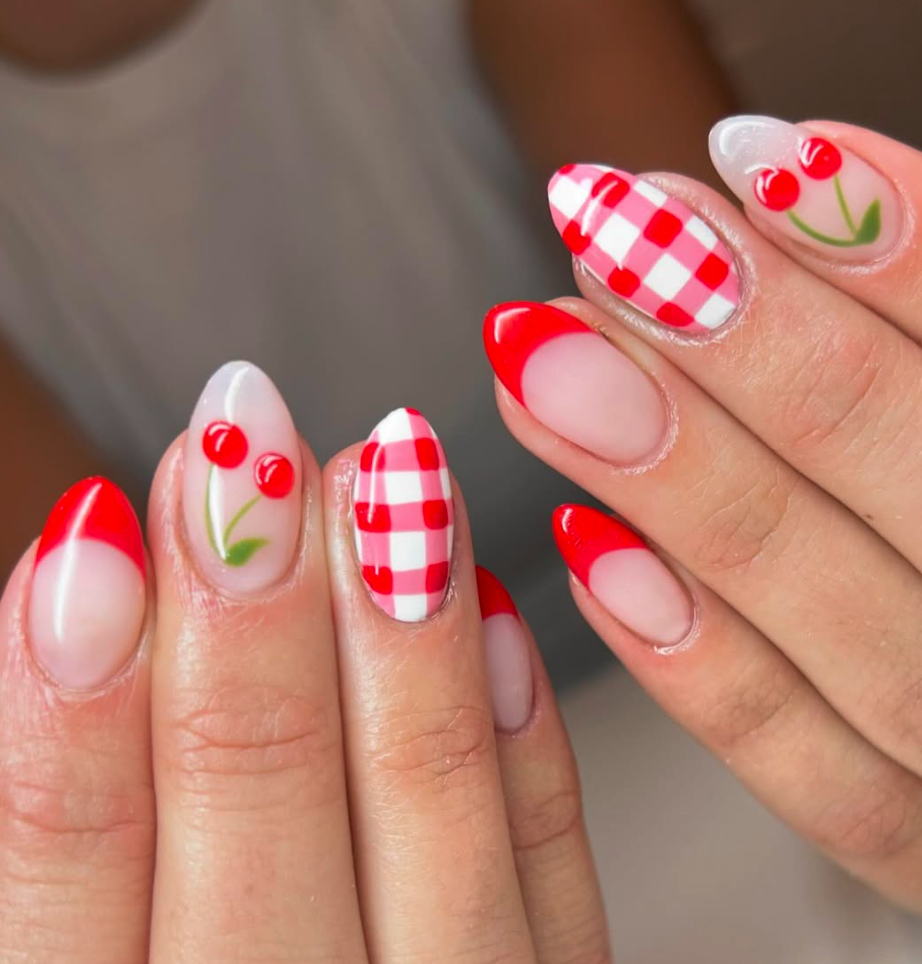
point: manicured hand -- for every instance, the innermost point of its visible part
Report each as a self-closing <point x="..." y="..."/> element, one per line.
<point x="748" y="393"/>
<point x="229" y="750"/>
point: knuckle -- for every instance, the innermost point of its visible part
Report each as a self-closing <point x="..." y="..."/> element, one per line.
<point x="875" y="823"/>
<point x="444" y="750"/>
<point x="64" y="802"/>
<point x="547" y="819"/>
<point x="833" y="395"/>
<point x="751" y="707"/>
<point x="243" y="732"/>
<point x="748" y="524"/>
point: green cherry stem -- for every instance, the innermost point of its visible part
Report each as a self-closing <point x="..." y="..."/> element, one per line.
<point x="224" y="551"/>
<point x="843" y="205"/>
<point x="241" y="512"/>
<point x="824" y="238"/>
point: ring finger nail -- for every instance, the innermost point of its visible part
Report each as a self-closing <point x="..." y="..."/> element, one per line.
<point x="807" y="187"/>
<point x="508" y="662"/>
<point x="242" y="481"/>
<point x="87" y="603"/>
<point x="647" y="247"/>
<point x="621" y="571"/>
<point x="404" y="516"/>
<point x="574" y="382"/>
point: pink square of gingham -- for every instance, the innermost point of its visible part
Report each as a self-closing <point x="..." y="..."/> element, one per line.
<point x="404" y="516"/>
<point x="648" y="248"/>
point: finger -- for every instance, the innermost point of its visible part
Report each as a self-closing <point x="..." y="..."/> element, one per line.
<point x="254" y="857"/>
<point x="842" y="201"/>
<point x="560" y="887"/>
<point x="436" y="872"/>
<point x="822" y="380"/>
<point x="737" y="694"/>
<point x="77" y="822"/>
<point x="790" y="559"/>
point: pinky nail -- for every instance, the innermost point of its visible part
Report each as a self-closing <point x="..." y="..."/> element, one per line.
<point x="807" y="187"/>
<point x="574" y="382"/>
<point x="508" y="660"/>
<point x="87" y="603"/>
<point x="621" y="571"/>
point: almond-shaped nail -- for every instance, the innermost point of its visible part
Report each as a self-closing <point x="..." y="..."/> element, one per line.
<point x="242" y="481"/>
<point x="403" y="515"/>
<point x="647" y="247"/>
<point x="811" y="189"/>
<point x="621" y="571"/>
<point x="88" y="597"/>
<point x="506" y="648"/>
<point x="574" y="382"/>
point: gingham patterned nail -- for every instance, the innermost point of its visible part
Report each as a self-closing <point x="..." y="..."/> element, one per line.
<point x="647" y="247"/>
<point x="404" y="517"/>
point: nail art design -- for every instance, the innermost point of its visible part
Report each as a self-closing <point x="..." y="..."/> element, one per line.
<point x="242" y="509"/>
<point x="574" y="382"/>
<point x="404" y="517"/>
<point x="621" y="571"/>
<point x="647" y="247"/>
<point x="506" y="648"/>
<point x="806" y="186"/>
<point x="87" y="602"/>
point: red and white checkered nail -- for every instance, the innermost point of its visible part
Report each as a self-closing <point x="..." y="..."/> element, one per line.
<point x="404" y="517"/>
<point x="647" y="247"/>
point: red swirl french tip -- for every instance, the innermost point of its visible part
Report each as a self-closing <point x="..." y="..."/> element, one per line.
<point x="621" y="571"/>
<point x="88" y="597"/>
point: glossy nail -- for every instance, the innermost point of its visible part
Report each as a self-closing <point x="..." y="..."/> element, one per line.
<point x="242" y="481"/>
<point x="647" y="247"/>
<point x="508" y="662"/>
<point x="620" y="570"/>
<point x="87" y="602"/>
<point x="807" y="187"/>
<point x="574" y="382"/>
<point x="403" y="515"/>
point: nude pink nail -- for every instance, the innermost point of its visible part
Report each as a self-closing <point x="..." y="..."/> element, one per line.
<point x="506" y="647"/>
<point x="574" y="382"/>
<point x="647" y="247"/>
<point x="88" y="597"/>
<point x="621" y="571"/>
<point x="811" y="189"/>
<point x="242" y="481"/>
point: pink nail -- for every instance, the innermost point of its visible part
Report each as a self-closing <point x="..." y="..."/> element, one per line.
<point x="404" y="517"/>
<point x="619" y="569"/>
<point x="807" y="187"/>
<point x="242" y="481"/>
<point x="647" y="247"/>
<point x="508" y="662"/>
<point x="574" y="382"/>
<point x="88" y="594"/>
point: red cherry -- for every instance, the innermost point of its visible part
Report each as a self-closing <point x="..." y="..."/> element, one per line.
<point x="819" y="158"/>
<point x="777" y="189"/>
<point x="224" y="444"/>
<point x="274" y="474"/>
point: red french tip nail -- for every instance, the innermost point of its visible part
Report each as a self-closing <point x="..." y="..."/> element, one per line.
<point x="494" y="599"/>
<point x="94" y="509"/>
<point x="514" y="330"/>
<point x="583" y="534"/>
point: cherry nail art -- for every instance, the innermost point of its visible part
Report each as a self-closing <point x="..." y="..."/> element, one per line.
<point x="647" y="247"/>
<point x="87" y="602"/>
<point x="403" y="515"/>
<point x="621" y="571"/>
<point x="506" y="649"/>
<point x="242" y="480"/>
<point x="808" y="187"/>
<point x="574" y="382"/>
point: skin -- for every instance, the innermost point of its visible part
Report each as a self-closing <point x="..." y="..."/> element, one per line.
<point x="788" y="503"/>
<point x="233" y="715"/>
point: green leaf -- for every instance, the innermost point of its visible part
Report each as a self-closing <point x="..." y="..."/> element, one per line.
<point x="869" y="229"/>
<point x="240" y="553"/>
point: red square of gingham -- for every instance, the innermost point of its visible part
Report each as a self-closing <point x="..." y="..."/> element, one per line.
<point x="404" y="516"/>
<point x="647" y="247"/>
